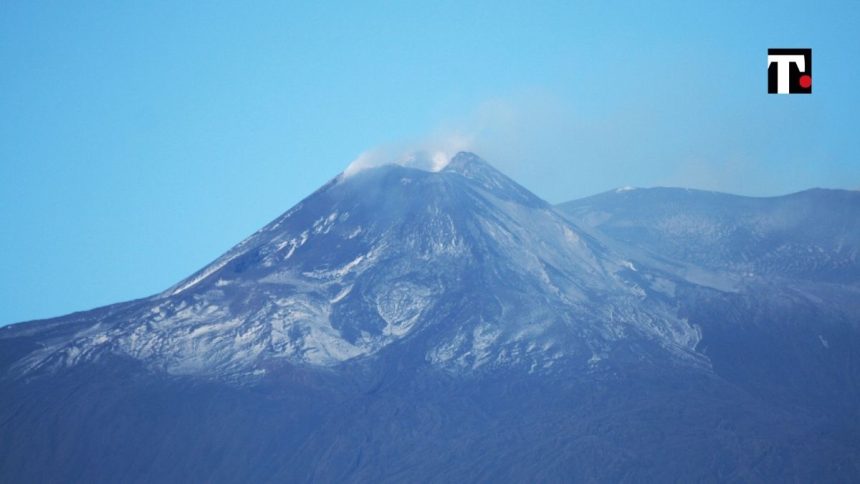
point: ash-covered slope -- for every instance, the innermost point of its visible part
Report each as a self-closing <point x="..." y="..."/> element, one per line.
<point x="473" y="267"/>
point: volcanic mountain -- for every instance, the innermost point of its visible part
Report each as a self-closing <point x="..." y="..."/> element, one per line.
<point x="404" y="324"/>
<point x="476" y="269"/>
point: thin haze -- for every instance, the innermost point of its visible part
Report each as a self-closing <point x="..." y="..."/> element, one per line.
<point x="142" y="139"/>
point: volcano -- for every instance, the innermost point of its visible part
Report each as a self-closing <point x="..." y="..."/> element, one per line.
<point x="401" y="324"/>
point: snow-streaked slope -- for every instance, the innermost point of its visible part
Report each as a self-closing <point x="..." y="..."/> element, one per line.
<point x="470" y="268"/>
<point x="408" y="326"/>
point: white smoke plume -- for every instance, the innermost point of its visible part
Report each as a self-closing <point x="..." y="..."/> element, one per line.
<point x="430" y="154"/>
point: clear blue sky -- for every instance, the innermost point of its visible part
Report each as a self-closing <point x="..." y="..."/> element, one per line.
<point x="139" y="140"/>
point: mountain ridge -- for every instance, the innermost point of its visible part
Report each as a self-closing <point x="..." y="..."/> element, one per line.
<point x="746" y="235"/>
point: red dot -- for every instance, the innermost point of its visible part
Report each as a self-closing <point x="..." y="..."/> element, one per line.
<point x="805" y="81"/>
